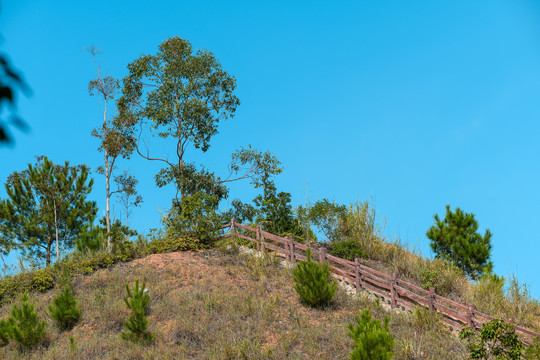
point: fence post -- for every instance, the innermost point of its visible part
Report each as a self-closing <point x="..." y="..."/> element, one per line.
<point x="291" y="249"/>
<point x="470" y="316"/>
<point x="233" y="230"/>
<point x="431" y="298"/>
<point x="393" y="294"/>
<point x="258" y="237"/>
<point x="261" y="236"/>
<point x="357" y="275"/>
<point x="322" y="255"/>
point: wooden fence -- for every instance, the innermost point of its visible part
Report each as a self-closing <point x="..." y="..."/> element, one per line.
<point x="396" y="292"/>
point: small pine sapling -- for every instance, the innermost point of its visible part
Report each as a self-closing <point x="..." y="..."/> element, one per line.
<point x="24" y="327"/>
<point x="372" y="339"/>
<point x="496" y="340"/>
<point x="65" y="309"/>
<point x="137" y="324"/>
<point x="313" y="282"/>
<point x="4" y="333"/>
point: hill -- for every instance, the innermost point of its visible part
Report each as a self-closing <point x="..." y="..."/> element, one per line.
<point x="221" y="305"/>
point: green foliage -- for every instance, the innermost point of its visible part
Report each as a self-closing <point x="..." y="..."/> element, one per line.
<point x="532" y="352"/>
<point x="137" y="324"/>
<point x="65" y="309"/>
<point x="496" y="340"/>
<point x="372" y="340"/>
<point x="24" y="327"/>
<point x="313" y="282"/>
<point x="194" y="216"/>
<point x="274" y="210"/>
<point x="4" y="333"/>
<point x="348" y="249"/>
<point x="456" y="239"/>
<point x="180" y="94"/>
<point x="328" y="216"/>
<point x="46" y="204"/>
<point x="174" y="244"/>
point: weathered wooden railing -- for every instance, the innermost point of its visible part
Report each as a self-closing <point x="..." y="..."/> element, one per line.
<point x="393" y="290"/>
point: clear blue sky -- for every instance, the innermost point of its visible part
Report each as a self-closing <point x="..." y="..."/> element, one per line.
<point x="418" y="105"/>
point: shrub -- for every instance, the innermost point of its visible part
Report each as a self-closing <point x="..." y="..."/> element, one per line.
<point x="372" y="339"/>
<point x="488" y="294"/>
<point x="65" y="309"/>
<point x="24" y="327"/>
<point x="4" y="333"/>
<point x="137" y="301"/>
<point x="532" y="352"/>
<point x="496" y="340"/>
<point x="194" y="216"/>
<point x="348" y="249"/>
<point x="174" y="244"/>
<point x="313" y="283"/>
<point x="456" y="240"/>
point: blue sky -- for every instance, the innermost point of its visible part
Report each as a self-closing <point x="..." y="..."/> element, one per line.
<point x="417" y="104"/>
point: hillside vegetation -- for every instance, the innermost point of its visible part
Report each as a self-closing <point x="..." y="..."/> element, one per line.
<point x="220" y="305"/>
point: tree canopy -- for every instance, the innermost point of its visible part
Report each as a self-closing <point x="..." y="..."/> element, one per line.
<point x="456" y="239"/>
<point x="46" y="204"/>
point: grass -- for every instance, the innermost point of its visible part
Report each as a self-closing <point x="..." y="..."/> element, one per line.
<point x="221" y="305"/>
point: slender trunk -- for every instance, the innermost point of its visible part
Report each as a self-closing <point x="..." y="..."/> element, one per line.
<point x="107" y="181"/>
<point x="56" y="230"/>
<point x="180" y="168"/>
<point x="3" y="262"/>
<point x="108" y="194"/>
<point x="127" y="217"/>
<point x="48" y="260"/>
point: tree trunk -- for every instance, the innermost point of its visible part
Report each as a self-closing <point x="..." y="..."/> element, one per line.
<point x="180" y="167"/>
<point x="56" y="230"/>
<point x="108" y="195"/>
<point x="48" y="260"/>
<point x="108" y="172"/>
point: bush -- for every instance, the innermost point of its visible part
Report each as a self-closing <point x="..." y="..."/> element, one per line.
<point x="65" y="309"/>
<point x="532" y="352"/>
<point x="313" y="282"/>
<point x="194" y="216"/>
<point x="372" y="340"/>
<point x="137" y="301"/>
<point x="4" y="333"/>
<point x="348" y="249"/>
<point x="174" y="244"/>
<point x="496" y="340"/>
<point x="24" y="327"/>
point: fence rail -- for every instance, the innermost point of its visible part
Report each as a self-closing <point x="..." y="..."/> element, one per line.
<point x="394" y="290"/>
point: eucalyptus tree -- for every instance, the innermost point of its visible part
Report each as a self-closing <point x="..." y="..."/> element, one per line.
<point x="182" y="95"/>
<point x="113" y="143"/>
<point x="46" y="203"/>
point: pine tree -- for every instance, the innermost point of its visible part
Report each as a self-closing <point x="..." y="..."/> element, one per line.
<point x="455" y="239"/>
<point x="65" y="309"/>
<point x="372" y="340"/>
<point x="312" y="282"/>
<point x="4" y="332"/>
<point x="24" y="326"/>
<point x="137" y="301"/>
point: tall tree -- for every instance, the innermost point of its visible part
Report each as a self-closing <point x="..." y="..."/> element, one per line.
<point x="180" y="95"/>
<point x="456" y="239"/>
<point x="114" y="143"/>
<point x="46" y="204"/>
